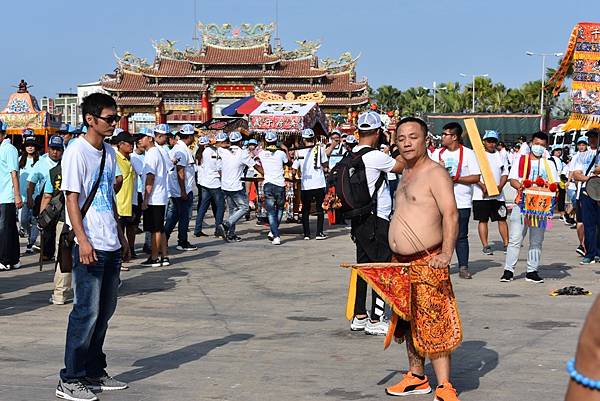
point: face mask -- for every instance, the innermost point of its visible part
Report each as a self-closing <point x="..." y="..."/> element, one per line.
<point x="537" y="150"/>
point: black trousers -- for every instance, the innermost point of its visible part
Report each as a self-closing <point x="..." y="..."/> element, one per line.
<point x="371" y="237"/>
<point x="307" y="197"/>
<point x="9" y="235"/>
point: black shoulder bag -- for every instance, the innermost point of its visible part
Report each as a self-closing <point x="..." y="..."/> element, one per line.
<point x="67" y="237"/>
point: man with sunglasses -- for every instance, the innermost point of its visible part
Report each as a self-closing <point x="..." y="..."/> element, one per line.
<point x="461" y="164"/>
<point x="97" y="255"/>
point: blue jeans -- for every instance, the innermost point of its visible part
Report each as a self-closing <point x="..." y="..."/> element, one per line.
<point x="462" y="242"/>
<point x="29" y="224"/>
<point x="274" y="202"/>
<point x="590" y="214"/>
<point x="179" y="212"/>
<point x="95" y="287"/>
<point x="237" y="203"/>
<point x="207" y="195"/>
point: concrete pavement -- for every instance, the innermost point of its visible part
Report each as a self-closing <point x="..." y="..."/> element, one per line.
<point x="253" y="321"/>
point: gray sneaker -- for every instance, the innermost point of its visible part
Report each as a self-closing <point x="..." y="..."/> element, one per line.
<point x="104" y="383"/>
<point x="487" y="250"/>
<point x="74" y="391"/>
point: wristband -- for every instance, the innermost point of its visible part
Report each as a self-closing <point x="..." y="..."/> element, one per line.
<point x="395" y="152"/>
<point x="581" y="379"/>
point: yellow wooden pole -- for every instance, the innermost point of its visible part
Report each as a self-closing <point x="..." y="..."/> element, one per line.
<point x="484" y="165"/>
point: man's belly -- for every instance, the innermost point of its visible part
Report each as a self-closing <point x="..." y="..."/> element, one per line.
<point x="414" y="231"/>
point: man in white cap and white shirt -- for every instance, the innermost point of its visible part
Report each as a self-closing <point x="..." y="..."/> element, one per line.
<point x="234" y="160"/>
<point x="181" y="184"/>
<point x="156" y="196"/>
<point x="273" y="160"/>
<point x="485" y="207"/>
<point x="312" y="162"/>
<point x="209" y="178"/>
<point x="370" y="230"/>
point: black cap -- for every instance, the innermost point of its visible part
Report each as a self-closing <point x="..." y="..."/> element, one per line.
<point x="123" y="136"/>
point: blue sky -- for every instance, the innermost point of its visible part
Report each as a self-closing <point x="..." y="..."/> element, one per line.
<point x="55" y="45"/>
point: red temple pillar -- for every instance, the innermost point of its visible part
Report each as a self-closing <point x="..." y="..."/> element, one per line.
<point x="206" y="108"/>
<point x="124" y="123"/>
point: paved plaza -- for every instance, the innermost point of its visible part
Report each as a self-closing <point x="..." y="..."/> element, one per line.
<point x="252" y="321"/>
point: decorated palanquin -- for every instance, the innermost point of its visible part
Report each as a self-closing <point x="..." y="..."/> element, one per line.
<point x="421" y="299"/>
<point x="583" y="53"/>
<point x="22" y="111"/>
<point x="288" y="115"/>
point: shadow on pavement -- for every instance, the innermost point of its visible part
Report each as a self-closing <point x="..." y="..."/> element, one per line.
<point x="25" y="303"/>
<point x="151" y="281"/>
<point x="157" y="364"/>
<point x="26" y="277"/>
<point x="477" y="266"/>
<point x="470" y="362"/>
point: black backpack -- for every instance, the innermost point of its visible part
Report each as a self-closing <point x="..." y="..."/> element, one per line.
<point x="349" y="177"/>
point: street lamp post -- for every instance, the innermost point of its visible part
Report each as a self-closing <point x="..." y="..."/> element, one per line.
<point x="543" y="56"/>
<point x="435" y="88"/>
<point x="474" y="76"/>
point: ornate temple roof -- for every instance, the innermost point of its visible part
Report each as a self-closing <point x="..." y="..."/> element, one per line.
<point x="243" y="53"/>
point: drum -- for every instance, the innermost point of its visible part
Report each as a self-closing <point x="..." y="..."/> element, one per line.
<point x="592" y="187"/>
<point x="537" y="206"/>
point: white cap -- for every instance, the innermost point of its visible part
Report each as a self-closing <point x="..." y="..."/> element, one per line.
<point x="162" y="129"/>
<point x="203" y="140"/>
<point x="368" y="121"/>
<point x="351" y="139"/>
<point x="308" y="133"/>
<point x="270" y="136"/>
<point x="235" y="136"/>
<point x="187" y="129"/>
<point x="221" y="137"/>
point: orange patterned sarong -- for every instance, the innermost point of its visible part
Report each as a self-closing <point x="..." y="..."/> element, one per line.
<point x="422" y="301"/>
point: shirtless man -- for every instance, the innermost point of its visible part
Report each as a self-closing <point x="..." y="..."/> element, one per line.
<point x="423" y="232"/>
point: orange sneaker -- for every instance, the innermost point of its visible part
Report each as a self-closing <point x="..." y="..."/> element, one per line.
<point x="445" y="392"/>
<point x="410" y="384"/>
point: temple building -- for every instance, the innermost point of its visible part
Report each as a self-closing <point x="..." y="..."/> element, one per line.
<point x="194" y="85"/>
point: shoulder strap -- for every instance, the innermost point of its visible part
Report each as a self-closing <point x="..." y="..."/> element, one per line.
<point x="592" y="162"/>
<point x="364" y="151"/>
<point x="90" y="197"/>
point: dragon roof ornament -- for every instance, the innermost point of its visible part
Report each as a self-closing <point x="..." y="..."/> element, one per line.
<point x="166" y="49"/>
<point x="343" y="64"/>
<point x="244" y="36"/>
<point x="130" y="62"/>
<point x="306" y="48"/>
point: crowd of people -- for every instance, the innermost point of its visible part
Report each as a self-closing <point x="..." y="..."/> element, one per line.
<point x="104" y="183"/>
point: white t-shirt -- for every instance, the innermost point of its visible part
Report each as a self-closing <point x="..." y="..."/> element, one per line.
<point x="582" y="163"/>
<point x="233" y="161"/>
<point x="155" y="164"/>
<point x="377" y="162"/>
<point x="311" y="177"/>
<point x="80" y="168"/>
<point x="209" y="172"/>
<point x="524" y="149"/>
<point x="272" y="163"/>
<point x="137" y="162"/>
<point x="499" y="168"/>
<point x="537" y="168"/>
<point x="181" y="156"/>
<point x="463" y="193"/>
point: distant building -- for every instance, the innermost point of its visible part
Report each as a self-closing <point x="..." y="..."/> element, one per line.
<point x="65" y="105"/>
<point x="87" y="89"/>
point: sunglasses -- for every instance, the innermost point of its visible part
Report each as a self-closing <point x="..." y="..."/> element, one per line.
<point x="109" y="119"/>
